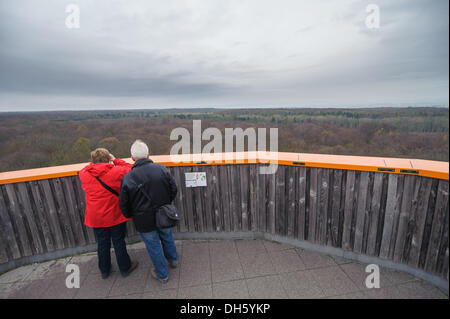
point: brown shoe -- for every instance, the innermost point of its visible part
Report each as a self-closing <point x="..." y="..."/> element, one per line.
<point x="133" y="266"/>
<point x="157" y="278"/>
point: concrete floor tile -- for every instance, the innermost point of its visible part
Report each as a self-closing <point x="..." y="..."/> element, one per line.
<point x="257" y="265"/>
<point x="315" y="260"/>
<point x="333" y="281"/>
<point x="29" y="289"/>
<point x="160" y="294"/>
<point x="132" y="284"/>
<point x="420" y="290"/>
<point x="94" y="287"/>
<point x="341" y="260"/>
<point x="397" y="277"/>
<point x="196" y="292"/>
<point x="49" y="269"/>
<point x="272" y="246"/>
<point x="224" y="256"/>
<point x="6" y="290"/>
<point x="286" y="261"/>
<point x="226" y="270"/>
<point x="131" y="296"/>
<point x="236" y="289"/>
<point x="225" y="263"/>
<point x="301" y="285"/>
<point x="266" y="287"/>
<point x="352" y="295"/>
<point x="195" y="276"/>
<point x="250" y="247"/>
<point x="195" y="253"/>
<point x="58" y="289"/>
<point x="390" y="292"/>
<point x="17" y="274"/>
<point x="218" y="248"/>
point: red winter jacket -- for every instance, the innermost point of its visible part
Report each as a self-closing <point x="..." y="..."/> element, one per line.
<point x="102" y="206"/>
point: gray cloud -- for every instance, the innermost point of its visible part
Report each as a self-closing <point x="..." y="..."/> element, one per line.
<point x="222" y="53"/>
<point x="47" y="76"/>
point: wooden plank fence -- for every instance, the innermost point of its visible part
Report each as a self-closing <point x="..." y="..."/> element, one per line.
<point x="403" y="218"/>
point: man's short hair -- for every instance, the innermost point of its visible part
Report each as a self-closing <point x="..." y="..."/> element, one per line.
<point x="100" y="155"/>
<point x="139" y="150"/>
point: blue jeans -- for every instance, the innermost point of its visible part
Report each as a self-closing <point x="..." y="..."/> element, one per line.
<point x="153" y="241"/>
<point x="104" y="235"/>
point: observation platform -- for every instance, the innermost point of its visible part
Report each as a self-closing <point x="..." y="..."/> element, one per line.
<point x="306" y="231"/>
<point x="222" y="269"/>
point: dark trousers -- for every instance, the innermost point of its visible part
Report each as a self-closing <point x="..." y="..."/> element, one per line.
<point x="104" y="235"/>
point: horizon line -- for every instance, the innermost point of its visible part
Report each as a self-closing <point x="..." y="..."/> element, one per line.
<point x="92" y="109"/>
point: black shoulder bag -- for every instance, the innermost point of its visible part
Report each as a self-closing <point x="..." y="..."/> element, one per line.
<point x="166" y="215"/>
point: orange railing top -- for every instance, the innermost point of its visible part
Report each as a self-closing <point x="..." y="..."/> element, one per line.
<point x="433" y="169"/>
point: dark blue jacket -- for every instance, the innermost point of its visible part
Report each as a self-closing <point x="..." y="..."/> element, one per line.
<point x="153" y="180"/>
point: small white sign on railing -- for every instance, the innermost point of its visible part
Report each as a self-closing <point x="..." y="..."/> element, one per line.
<point x="195" y="179"/>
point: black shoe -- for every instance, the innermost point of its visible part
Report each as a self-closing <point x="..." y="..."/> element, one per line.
<point x="104" y="276"/>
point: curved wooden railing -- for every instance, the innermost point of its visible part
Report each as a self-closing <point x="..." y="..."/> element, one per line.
<point x="381" y="210"/>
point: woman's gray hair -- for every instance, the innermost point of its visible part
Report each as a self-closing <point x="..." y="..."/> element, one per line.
<point x="139" y="150"/>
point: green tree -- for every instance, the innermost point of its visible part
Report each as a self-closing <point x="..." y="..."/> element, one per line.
<point x="112" y="144"/>
<point x="81" y="150"/>
<point x="82" y="128"/>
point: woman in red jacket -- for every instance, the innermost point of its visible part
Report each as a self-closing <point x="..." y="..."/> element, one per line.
<point x="101" y="184"/>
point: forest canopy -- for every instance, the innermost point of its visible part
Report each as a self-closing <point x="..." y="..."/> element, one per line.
<point x="39" y="139"/>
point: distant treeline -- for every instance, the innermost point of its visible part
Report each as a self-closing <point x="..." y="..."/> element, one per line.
<point x="38" y="139"/>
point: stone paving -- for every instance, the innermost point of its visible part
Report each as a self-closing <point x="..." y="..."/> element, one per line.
<point x="225" y="269"/>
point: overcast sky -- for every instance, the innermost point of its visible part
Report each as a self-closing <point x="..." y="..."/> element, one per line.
<point x="222" y="53"/>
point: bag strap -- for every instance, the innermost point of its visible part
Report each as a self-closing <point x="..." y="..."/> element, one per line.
<point x="140" y="186"/>
<point x="141" y="189"/>
<point x="107" y="187"/>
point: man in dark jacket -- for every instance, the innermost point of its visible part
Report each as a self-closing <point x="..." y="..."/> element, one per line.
<point x="145" y="188"/>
